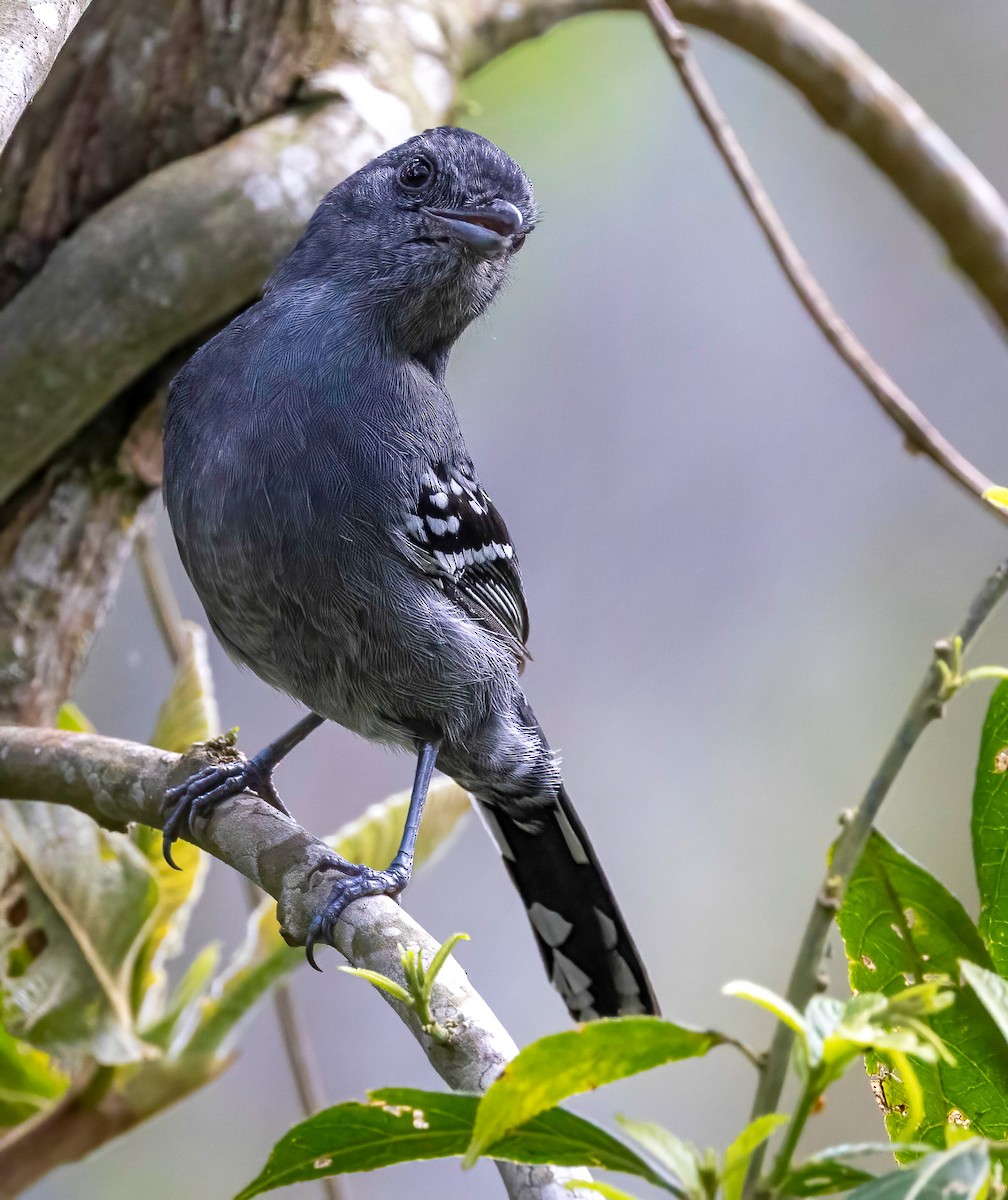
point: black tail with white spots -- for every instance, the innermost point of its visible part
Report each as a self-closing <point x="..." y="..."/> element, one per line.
<point x="588" y="951"/>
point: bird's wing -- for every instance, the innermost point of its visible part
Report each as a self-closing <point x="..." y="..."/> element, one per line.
<point x="458" y="538"/>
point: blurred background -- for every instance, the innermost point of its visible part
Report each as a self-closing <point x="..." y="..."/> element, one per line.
<point x="734" y="569"/>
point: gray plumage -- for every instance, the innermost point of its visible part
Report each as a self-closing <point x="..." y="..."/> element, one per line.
<point x="334" y="526"/>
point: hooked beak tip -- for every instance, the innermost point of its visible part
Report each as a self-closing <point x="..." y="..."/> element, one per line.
<point x="487" y="229"/>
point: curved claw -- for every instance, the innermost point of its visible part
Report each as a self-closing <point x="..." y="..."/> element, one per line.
<point x="358" y="882"/>
<point x="208" y="787"/>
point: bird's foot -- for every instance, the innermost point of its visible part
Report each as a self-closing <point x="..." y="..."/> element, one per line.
<point x="207" y="788"/>
<point x="357" y="882"/>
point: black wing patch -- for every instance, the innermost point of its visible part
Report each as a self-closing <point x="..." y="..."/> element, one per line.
<point x="457" y="536"/>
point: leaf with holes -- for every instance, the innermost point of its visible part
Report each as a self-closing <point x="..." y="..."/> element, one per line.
<point x="990" y="828"/>
<point x="408" y="1125"/>
<point x="578" y="1060"/>
<point x="75" y="909"/>
<point x="901" y="926"/>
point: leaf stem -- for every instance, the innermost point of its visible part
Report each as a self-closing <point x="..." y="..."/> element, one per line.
<point x="925" y="707"/>
<point x="782" y="1163"/>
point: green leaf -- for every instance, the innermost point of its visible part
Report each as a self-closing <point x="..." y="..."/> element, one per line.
<point x="958" y="1174"/>
<point x="78" y="907"/>
<point x="407" y="1125"/>
<point x="990" y="829"/>
<point x="782" y="1009"/>
<point x="185" y="999"/>
<point x="265" y="957"/>
<point x="738" y="1154"/>
<point x="72" y="720"/>
<point x="901" y="926"/>
<point x="822" y="1177"/>
<point x="603" y="1189"/>
<point x="680" y="1158"/>
<point x="564" y="1064"/>
<point x="992" y="992"/>
<point x="29" y="1081"/>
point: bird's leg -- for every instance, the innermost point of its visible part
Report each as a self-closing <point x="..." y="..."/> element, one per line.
<point x="358" y="880"/>
<point x="209" y="786"/>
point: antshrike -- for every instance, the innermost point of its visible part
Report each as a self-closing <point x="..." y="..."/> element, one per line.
<point x="337" y="532"/>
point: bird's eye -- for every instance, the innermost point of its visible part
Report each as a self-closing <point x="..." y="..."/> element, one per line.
<point x="517" y="244"/>
<point x="416" y="173"/>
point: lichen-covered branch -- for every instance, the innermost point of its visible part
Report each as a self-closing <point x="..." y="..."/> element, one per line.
<point x="118" y="782"/>
<point x="32" y="33"/>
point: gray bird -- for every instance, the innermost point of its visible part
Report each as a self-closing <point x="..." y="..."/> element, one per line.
<point x="335" y="528"/>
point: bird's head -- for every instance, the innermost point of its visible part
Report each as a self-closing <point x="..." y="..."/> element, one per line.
<point x="419" y="240"/>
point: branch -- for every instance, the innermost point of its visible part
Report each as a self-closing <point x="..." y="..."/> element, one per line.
<point x="925" y="707"/>
<point x="31" y="35"/>
<point x="855" y="96"/>
<point x="117" y="782"/>
<point x="920" y="434"/>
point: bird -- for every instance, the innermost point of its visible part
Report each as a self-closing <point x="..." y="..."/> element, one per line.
<point x="337" y="533"/>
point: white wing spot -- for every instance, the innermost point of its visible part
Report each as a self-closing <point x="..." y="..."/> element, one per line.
<point x="608" y="927"/>
<point x="438" y="527"/>
<point x="623" y="977"/>
<point x="439" y="499"/>
<point x="551" y="926"/>
<point x="577" y="851"/>
<point x="571" y="982"/>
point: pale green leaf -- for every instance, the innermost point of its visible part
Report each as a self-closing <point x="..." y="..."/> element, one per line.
<point x="189" y="714"/>
<point x="782" y="1009"/>
<point x="72" y="720"/>
<point x="29" y="1080"/>
<point x="84" y="900"/>
<point x="738" y="1154"/>
<point x="680" y="1158"/>
<point x="606" y="1190"/>
<point x="991" y="990"/>
<point x="958" y="1174"/>
<point x="578" y="1060"/>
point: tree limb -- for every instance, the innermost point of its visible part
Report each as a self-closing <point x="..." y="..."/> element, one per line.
<point x="117" y="782"/>
<point x="855" y="96"/>
<point x="920" y="434"/>
<point x="31" y="35"/>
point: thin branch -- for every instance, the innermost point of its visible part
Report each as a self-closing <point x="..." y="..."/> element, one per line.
<point x="925" y="707"/>
<point x="31" y="35"/>
<point x="117" y="783"/>
<point x="920" y="434"/>
<point x="161" y="598"/>
<point x="851" y="93"/>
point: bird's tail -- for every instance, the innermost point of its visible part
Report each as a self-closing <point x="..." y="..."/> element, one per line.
<point x="588" y="951"/>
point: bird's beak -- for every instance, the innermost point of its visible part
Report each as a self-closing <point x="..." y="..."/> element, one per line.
<point x="487" y="230"/>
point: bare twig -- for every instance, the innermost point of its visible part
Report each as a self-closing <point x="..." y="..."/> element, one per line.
<point x="920" y="434"/>
<point x="851" y="93"/>
<point x="925" y="707"/>
<point x="117" y="782"/>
